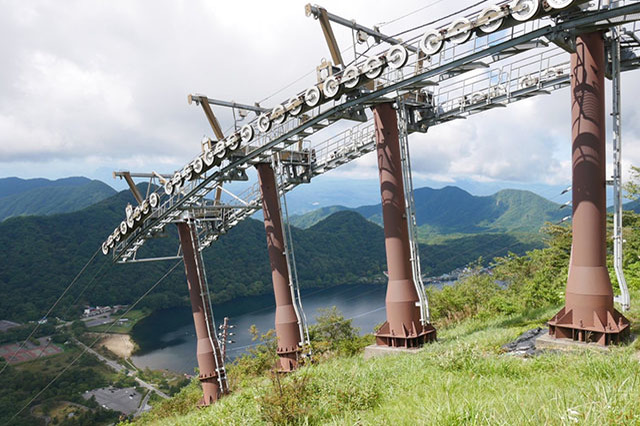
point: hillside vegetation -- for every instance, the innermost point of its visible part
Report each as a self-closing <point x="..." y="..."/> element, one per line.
<point x="464" y="378"/>
<point x="21" y="197"/>
<point x="451" y="211"/>
<point x="42" y="254"/>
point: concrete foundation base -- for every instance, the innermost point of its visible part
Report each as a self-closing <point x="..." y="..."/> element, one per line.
<point x="374" y="351"/>
<point x="548" y="342"/>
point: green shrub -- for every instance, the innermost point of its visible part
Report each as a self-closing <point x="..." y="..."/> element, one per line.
<point x="333" y="333"/>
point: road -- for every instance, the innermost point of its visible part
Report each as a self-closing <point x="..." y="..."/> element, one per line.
<point x="120" y="368"/>
<point x="143" y="404"/>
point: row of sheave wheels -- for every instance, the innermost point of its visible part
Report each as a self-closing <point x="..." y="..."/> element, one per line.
<point x="134" y="217"/>
<point x="211" y="157"/>
<point x="491" y="19"/>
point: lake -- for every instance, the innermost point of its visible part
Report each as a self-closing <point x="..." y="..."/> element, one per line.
<point x="167" y="338"/>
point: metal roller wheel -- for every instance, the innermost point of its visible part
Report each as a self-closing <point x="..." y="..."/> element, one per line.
<point x="331" y="87"/>
<point x="177" y="183"/>
<point x="523" y="10"/>
<point x="110" y="242"/>
<point x="496" y="91"/>
<point x="146" y="208"/>
<point x="233" y="142"/>
<point x="397" y="57"/>
<point x="123" y="227"/>
<point x="373" y="67"/>
<point x="247" y="133"/>
<point x="312" y="96"/>
<point x="264" y="123"/>
<point x="154" y="200"/>
<point x="459" y="31"/>
<point x="492" y="19"/>
<point x="351" y="77"/>
<point x="279" y="114"/>
<point x="559" y="4"/>
<point x="137" y="213"/>
<point x="220" y="150"/>
<point x="431" y="43"/>
<point x="295" y="110"/>
<point x="477" y="97"/>
<point x="116" y="234"/>
<point x="208" y="157"/>
<point x="105" y="248"/>
<point x="130" y="221"/>
<point x="197" y="165"/>
<point x="187" y="172"/>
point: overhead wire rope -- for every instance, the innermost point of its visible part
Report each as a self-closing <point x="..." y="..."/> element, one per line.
<point x="383" y="24"/>
<point x="439" y="19"/>
<point x="66" y="314"/>
<point x="50" y="310"/>
<point x="89" y="284"/>
<point x="69" y="365"/>
<point x="345" y="51"/>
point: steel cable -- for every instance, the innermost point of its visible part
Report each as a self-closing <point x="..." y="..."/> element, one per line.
<point x="95" y="341"/>
<point x="49" y="311"/>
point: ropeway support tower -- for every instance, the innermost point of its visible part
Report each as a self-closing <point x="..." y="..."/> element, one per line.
<point x="475" y="61"/>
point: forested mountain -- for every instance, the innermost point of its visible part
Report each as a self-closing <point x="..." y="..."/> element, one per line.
<point x="451" y="210"/>
<point x="42" y="254"/>
<point x="20" y="197"/>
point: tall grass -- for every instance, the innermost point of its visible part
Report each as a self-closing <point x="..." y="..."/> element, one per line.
<point x="464" y="378"/>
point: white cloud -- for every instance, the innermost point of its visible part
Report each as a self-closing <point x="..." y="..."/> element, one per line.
<point x="102" y="85"/>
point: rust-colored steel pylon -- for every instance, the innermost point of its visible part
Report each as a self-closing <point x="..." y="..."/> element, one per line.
<point x="287" y="321"/>
<point x="403" y="327"/>
<point x="210" y="363"/>
<point x="588" y="314"/>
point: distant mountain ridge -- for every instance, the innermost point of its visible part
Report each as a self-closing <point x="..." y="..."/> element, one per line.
<point x="451" y="210"/>
<point x="23" y="197"/>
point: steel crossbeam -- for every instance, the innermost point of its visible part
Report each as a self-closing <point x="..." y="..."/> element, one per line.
<point x="461" y="92"/>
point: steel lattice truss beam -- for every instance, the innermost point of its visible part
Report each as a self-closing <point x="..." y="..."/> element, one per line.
<point x="524" y="60"/>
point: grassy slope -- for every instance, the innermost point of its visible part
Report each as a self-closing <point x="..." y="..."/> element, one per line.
<point x="462" y="379"/>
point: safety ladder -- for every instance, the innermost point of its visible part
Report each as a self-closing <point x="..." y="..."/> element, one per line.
<point x="623" y="298"/>
<point x="205" y="297"/>
<point x="407" y="181"/>
<point x="290" y="256"/>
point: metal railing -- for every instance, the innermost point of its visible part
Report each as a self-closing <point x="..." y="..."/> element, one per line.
<point x="454" y="98"/>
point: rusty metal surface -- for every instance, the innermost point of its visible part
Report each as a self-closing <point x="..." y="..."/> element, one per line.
<point x="403" y="327"/>
<point x="286" y="323"/>
<point x="207" y="344"/>
<point x="588" y="314"/>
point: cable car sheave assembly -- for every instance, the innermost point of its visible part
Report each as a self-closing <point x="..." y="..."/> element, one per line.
<point x="519" y="51"/>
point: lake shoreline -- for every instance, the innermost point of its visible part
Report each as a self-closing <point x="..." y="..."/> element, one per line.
<point x="166" y="338"/>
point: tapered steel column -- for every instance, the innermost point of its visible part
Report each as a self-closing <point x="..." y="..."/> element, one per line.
<point x="403" y="327"/>
<point x="210" y="362"/>
<point x="588" y="314"/>
<point x="287" y="328"/>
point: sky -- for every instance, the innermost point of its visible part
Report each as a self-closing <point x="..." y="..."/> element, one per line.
<point x="88" y="87"/>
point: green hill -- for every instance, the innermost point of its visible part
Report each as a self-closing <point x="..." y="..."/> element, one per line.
<point x="451" y="211"/>
<point x="21" y="197"/>
<point x="42" y="254"/>
<point x="309" y="219"/>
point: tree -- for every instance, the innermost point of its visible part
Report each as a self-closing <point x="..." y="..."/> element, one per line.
<point x="632" y="187"/>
